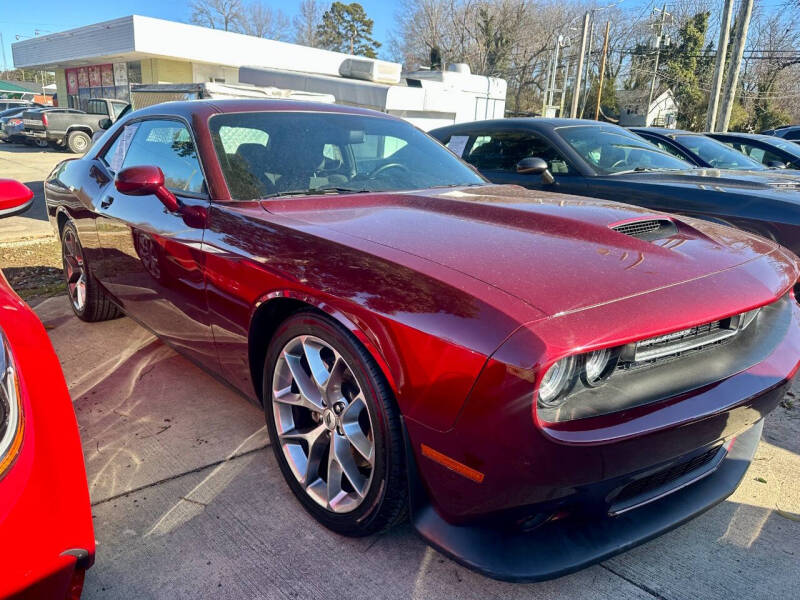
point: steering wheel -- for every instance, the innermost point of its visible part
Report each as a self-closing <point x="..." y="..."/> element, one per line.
<point x="619" y="163"/>
<point x="386" y="167"/>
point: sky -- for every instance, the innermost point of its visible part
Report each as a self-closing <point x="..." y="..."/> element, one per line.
<point x="50" y="16"/>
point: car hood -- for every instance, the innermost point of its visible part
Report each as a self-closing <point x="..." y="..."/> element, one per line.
<point x="785" y="185"/>
<point x="555" y="252"/>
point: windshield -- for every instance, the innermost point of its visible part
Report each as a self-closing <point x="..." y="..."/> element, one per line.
<point x="717" y="154"/>
<point x="281" y="153"/>
<point x="609" y="149"/>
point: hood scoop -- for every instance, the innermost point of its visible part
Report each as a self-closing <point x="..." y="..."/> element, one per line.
<point x="647" y="229"/>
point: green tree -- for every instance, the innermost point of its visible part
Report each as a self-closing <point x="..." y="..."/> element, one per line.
<point x="608" y="99"/>
<point x="686" y="67"/>
<point x="346" y="28"/>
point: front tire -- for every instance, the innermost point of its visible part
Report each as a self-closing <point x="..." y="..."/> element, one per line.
<point x="88" y="300"/>
<point x="335" y="430"/>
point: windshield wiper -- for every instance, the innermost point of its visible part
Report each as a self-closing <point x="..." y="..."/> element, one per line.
<point x="319" y="190"/>
<point x="646" y="170"/>
<point x="454" y="185"/>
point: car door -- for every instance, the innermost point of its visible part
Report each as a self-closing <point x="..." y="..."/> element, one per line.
<point x="496" y="154"/>
<point x="152" y="258"/>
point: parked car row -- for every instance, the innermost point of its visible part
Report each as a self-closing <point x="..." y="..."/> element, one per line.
<point x="66" y="128"/>
<point x="517" y="370"/>
<point x="602" y="160"/>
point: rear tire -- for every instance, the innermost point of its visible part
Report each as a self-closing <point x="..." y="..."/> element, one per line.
<point x="78" y="142"/>
<point x="88" y="300"/>
<point x="350" y="415"/>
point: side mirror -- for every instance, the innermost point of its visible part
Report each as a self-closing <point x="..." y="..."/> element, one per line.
<point x="143" y="181"/>
<point x="776" y="164"/>
<point x="105" y="123"/>
<point x="535" y="166"/>
<point x="15" y="197"/>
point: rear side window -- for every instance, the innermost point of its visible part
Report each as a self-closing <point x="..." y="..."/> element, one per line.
<point x="168" y="145"/>
<point x="115" y="154"/>
<point x="118" y="107"/>
<point x="97" y="107"/>
<point x="502" y="151"/>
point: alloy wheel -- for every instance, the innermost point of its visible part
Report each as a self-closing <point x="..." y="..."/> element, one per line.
<point x="324" y="425"/>
<point x="74" y="270"/>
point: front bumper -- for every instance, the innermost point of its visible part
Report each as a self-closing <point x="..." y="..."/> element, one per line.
<point x="558" y="547"/>
<point x="45" y="514"/>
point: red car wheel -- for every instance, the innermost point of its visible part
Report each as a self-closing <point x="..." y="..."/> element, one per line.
<point x="87" y="299"/>
<point x="335" y="430"/>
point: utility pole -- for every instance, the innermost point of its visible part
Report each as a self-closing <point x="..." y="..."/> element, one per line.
<point x="731" y="81"/>
<point x="602" y="72"/>
<point x="659" y="36"/>
<point x="576" y="89"/>
<point x="588" y="66"/>
<point x="719" y="65"/>
<point x="546" y="88"/>
<point x="3" y="46"/>
<point x="552" y="73"/>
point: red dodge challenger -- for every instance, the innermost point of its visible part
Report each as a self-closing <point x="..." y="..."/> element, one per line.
<point x="541" y="380"/>
<point x="45" y="517"/>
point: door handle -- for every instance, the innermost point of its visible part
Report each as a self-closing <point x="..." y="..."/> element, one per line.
<point x="107" y="201"/>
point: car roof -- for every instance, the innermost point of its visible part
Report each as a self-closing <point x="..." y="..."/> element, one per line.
<point x="664" y="131"/>
<point x="751" y="136"/>
<point x="208" y="107"/>
<point x="522" y="124"/>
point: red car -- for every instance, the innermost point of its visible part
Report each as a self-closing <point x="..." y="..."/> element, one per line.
<point x="543" y="380"/>
<point x="45" y="516"/>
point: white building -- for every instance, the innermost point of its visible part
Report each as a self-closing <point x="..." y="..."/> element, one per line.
<point x="105" y="59"/>
<point x="634" y="112"/>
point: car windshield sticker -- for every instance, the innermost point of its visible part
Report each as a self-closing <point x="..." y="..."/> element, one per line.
<point x="457" y="144"/>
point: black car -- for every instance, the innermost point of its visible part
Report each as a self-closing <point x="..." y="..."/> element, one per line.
<point x="766" y="149"/>
<point x="601" y="160"/>
<point x="787" y="132"/>
<point x="698" y="149"/>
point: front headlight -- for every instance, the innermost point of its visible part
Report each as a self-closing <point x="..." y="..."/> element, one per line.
<point x="11" y="421"/>
<point x="556" y="382"/>
<point x="591" y="368"/>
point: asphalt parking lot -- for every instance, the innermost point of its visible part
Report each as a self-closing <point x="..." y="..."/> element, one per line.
<point x="188" y="501"/>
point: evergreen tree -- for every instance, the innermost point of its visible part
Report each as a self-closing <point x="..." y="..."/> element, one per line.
<point x="346" y="28"/>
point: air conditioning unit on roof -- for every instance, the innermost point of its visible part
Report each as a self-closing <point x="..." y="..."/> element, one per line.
<point x="377" y="71"/>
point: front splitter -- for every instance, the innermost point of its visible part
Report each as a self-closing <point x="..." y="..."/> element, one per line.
<point x="563" y="546"/>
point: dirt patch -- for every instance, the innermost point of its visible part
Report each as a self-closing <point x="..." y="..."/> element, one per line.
<point x="34" y="269"/>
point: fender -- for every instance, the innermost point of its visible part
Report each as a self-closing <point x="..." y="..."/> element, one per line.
<point x="362" y="333"/>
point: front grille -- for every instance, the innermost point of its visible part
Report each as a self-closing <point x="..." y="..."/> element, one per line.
<point x="680" y="343"/>
<point x="659" y="479"/>
<point x="648" y="229"/>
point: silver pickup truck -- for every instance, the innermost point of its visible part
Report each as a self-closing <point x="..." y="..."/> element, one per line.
<point x="70" y="128"/>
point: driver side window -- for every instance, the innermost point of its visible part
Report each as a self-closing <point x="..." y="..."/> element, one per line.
<point x="502" y="151"/>
<point x="168" y="145"/>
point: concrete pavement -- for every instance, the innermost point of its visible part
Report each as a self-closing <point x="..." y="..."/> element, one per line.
<point x="189" y="502"/>
<point x="30" y="165"/>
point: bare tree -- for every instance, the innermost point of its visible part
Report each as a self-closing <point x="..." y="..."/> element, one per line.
<point x="260" y="20"/>
<point x="217" y="14"/>
<point x="307" y="21"/>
